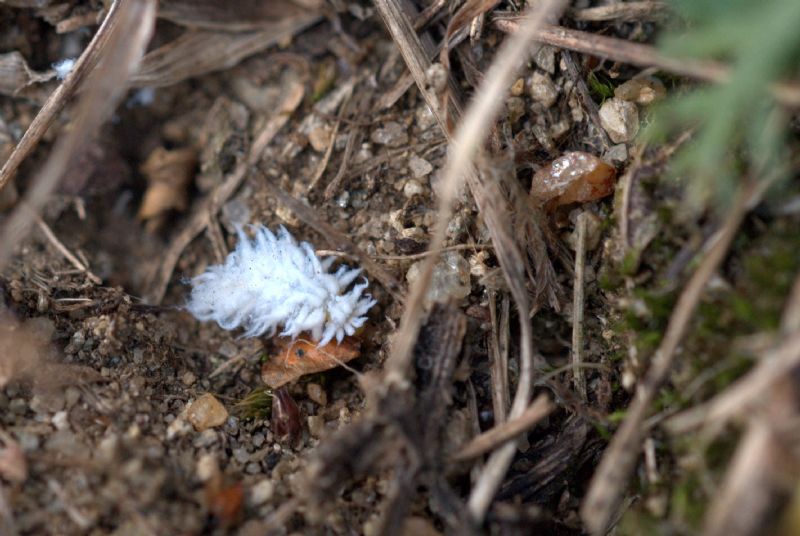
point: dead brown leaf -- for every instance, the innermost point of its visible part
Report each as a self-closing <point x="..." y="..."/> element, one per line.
<point x="15" y="75"/>
<point x="301" y="357"/>
<point x="169" y="174"/>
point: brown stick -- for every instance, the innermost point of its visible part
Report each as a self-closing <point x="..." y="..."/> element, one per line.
<point x="502" y="433"/>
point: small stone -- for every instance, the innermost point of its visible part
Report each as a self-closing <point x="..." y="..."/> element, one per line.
<point x="316" y="426"/>
<point x="206" y="438"/>
<point x="178" y="427"/>
<point x="320" y="138"/>
<point x="545" y="59"/>
<point x="392" y="134"/>
<point x="258" y="440"/>
<point x="616" y="153"/>
<point x="206" y="412"/>
<point x="71" y="396"/>
<point x="261" y="492"/>
<point x="241" y="455"/>
<point x="419" y="167"/>
<point x="518" y="87"/>
<point x="207" y="467"/>
<point x="543" y="89"/>
<point x="620" y="119"/>
<point x="450" y="279"/>
<point x="60" y="420"/>
<point x="641" y="90"/>
<point x="252" y="468"/>
<point x="412" y="187"/>
<point x="424" y="117"/>
<point x="515" y="107"/>
<point x="188" y="378"/>
<point x="18" y="406"/>
<point x="317" y="394"/>
<point x="236" y="212"/>
<point x="227" y="349"/>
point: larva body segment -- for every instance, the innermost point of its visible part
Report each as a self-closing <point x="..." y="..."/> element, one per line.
<point x="273" y="281"/>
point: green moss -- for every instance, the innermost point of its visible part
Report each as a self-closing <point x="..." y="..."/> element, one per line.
<point x="256" y="405"/>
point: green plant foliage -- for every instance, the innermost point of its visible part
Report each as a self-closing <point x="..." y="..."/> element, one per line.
<point x="737" y="126"/>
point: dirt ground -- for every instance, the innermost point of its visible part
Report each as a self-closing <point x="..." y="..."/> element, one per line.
<point x="106" y="423"/>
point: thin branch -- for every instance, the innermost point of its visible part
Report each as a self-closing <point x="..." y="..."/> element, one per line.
<point x="505" y="432"/>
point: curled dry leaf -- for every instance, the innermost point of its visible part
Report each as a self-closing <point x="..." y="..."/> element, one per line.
<point x="285" y="421"/>
<point x="574" y="177"/>
<point x="300" y="357"/>
<point x="169" y="174"/>
<point x="15" y="75"/>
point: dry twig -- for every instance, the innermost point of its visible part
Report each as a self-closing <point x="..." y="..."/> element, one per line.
<point x="502" y="433"/>
<point x="578" y="377"/>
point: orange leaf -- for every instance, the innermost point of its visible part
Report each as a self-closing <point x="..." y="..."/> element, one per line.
<point x="299" y="357"/>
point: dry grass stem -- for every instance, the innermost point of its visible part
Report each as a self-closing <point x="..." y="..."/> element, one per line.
<point x="502" y="433"/>
<point x="498" y="346"/>
<point x="578" y="376"/>
<point x="624" y="11"/>
<point x="61" y="248"/>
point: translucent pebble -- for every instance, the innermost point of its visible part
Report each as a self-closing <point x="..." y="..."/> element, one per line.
<point x="574" y="177"/>
<point x="450" y="279"/>
<point x="206" y="412"/>
<point x="392" y="134"/>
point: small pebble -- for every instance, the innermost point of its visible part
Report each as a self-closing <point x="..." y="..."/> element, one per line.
<point x="620" y="119"/>
<point x="317" y="394"/>
<point x="450" y="279"/>
<point x="258" y="440"/>
<point x="616" y="153"/>
<point x="316" y="426"/>
<point x="419" y="167"/>
<point x="543" y="89"/>
<point x="320" y="138"/>
<point x="206" y="467"/>
<point x="641" y="90"/>
<point x="60" y="420"/>
<point x="261" y="492"/>
<point x="206" y="412"/>
<point x="188" y="378"/>
<point x="392" y="134"/>
<point x="241" y="455"/>
<point x="412" y="187"/>
<point x="518" y="87"/>
<point x="252" y="468"/>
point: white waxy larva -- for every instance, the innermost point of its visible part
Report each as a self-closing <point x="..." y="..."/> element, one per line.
<point x="273" y="281"/>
